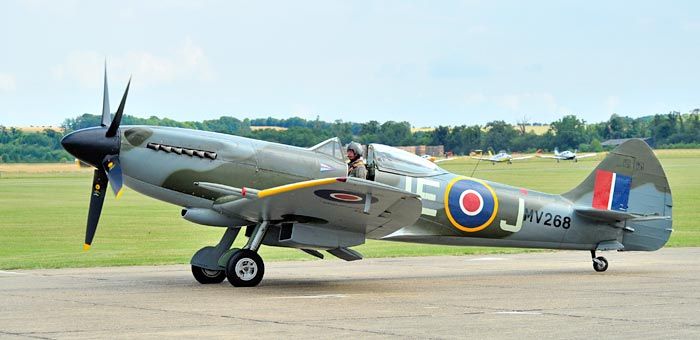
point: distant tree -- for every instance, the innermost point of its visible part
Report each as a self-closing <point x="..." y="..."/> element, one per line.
<point x="499" y="135"/>
<point x="522" y="125"/>
<point x="440" y="135"/>
<point x="462" y="139"/>
<point x="395" y="133"/>
<point x="569" y="132"/>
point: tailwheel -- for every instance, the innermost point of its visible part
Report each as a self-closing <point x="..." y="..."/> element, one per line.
<point x="600" y="264"/>
<point x="245" y="268"/>
<point x="208" y="276"/>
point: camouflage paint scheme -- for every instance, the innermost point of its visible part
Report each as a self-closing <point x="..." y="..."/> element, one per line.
<point x="302" y="198"/>
<point x="515" y="217"/>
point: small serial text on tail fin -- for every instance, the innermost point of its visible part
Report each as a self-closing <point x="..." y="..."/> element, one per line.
<point x="629" y="187"/>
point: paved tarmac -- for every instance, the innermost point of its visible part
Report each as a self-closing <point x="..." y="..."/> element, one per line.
<point x="535" y="295"/>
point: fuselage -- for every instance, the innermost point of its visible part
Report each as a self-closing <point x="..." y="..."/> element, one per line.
<point x="501" y="157"/>
<point x="164" y="163"/>
<point x="566" y="155"/>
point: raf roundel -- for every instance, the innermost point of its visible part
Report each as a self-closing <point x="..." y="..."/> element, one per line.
<point x="342" y="196"/>
<point x="471" y="205"/>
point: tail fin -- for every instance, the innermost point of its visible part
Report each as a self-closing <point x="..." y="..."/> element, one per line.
<point x="629" y="186"/>
<point x="556" y="151"/>
<point x="490" y="153"/>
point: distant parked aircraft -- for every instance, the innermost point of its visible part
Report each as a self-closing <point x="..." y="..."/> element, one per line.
<point x="564" y="155"/>
<point x="501" y="156"/>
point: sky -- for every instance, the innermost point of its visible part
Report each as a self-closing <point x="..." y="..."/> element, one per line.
<point x="427" y="62"/>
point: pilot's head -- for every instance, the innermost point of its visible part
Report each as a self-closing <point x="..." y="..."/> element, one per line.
<point x="354" y="151"/>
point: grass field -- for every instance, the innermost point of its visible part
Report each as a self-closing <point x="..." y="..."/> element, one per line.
<point x="43" y="210"/>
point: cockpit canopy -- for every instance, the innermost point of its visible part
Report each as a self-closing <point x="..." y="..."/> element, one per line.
<point x="389" y="159"/>
<point x="330" y="147"/>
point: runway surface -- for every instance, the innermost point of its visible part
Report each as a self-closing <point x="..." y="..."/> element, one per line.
<point x="542" y="295"/>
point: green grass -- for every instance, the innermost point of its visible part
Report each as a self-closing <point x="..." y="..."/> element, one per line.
<point x="42" y="217"/>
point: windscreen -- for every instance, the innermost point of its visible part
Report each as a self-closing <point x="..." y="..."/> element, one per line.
<point x="330" y="147"/>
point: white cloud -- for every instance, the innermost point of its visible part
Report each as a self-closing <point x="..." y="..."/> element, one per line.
<point x="539" y="106"/>
<point x="612" y="103"/>
<point x="692" y="26"/>
<point x="186" y="62"/>
<point x="7" y="83"/>
<point x="474" y="98"/>
<point x="478" y="29"/>
<point x="520" y="101"/>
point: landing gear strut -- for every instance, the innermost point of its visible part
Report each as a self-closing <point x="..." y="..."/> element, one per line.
<point x="600" y="264"/>
<point x="242" y="267"/>
<point x="245" y="268"/>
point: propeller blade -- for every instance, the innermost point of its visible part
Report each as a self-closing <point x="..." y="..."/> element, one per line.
<point x="112" y="131"/>
<point x="97" y="199"/>
<point x="105" y="102"/>
<point x="114" y="173"/>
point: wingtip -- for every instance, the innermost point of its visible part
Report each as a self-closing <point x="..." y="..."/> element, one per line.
<point x="86" y="247"/>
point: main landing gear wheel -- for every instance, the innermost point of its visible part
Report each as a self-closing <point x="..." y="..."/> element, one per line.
<point x="600" y="264"/>
<point x="208" y="276"/>
<point x="245" y="268"/>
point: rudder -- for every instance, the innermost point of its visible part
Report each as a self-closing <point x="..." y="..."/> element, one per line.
<point x="631" y="180"/>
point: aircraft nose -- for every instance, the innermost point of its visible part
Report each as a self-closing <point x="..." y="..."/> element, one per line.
<point x="90" y="145"/>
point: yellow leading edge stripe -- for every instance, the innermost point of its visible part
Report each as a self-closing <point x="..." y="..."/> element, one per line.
<point x="296" y="186"/>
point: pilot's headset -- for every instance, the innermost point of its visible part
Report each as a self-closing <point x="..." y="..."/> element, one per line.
<point x="357" y="148"/>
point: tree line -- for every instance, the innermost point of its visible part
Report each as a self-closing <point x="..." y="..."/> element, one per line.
<point x="671" y="130"/>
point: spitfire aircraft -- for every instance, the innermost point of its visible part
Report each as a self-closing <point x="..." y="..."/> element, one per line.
<point x="565" y="155"/>
<point x="301" y="198"/>
<point x="501" y="156"/>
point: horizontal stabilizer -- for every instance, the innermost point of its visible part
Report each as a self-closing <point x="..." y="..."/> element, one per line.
<point x="614" y="215"/>
<point x="604" y="215"/>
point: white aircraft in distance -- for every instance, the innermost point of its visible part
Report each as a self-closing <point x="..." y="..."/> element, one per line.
<point x="564" y="155"/>
<point x="500" y="157"/>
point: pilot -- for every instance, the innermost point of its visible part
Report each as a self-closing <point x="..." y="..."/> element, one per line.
<point x="356" y="167"/>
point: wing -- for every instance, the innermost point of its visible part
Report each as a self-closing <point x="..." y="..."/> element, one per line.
<point x="521" y="158"/>
<point x="548" y="156"/>
<point x="343" y="204"/>
<point x="447" y="159"/>
<point x="586" y="155"/>
<point x="483" y="158"/>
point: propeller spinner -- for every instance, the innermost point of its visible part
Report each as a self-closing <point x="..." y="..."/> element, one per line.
<point x="99" y="146"/>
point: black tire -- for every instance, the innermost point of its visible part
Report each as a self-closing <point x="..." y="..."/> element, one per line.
<point x="206" y="276"/>
<point x="601" y="264"/>
<point x="245" y="268"/>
